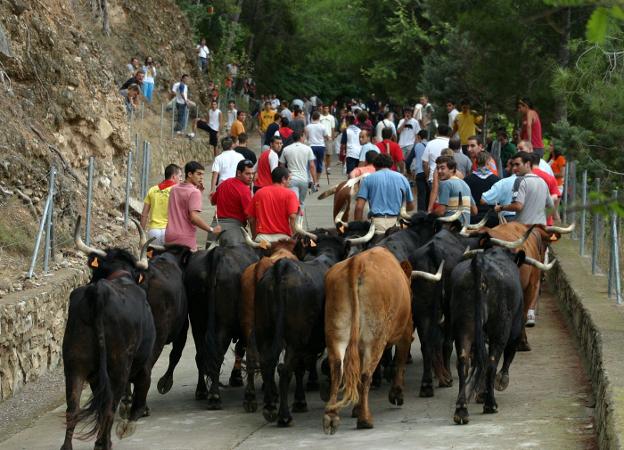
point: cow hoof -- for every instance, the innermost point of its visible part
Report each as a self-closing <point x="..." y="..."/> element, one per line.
<point x="479" y="398"/>
<point x="446" y="382"/>
<point x="250" y="406"/>
<point x="284" y="421"/>
<point x="490" y="409"/>
<point x="236" y="378"/>
<point x="324" y="392"/>
<point x="330" y="423"/>
<point x="125" y="428"/>
<point x="364" y="424"/>
<point x="395" y="396"/>
<point x="164" y="384"/>
<point x="300" y="407"/>
<point x="124" y="409"/>
<point x="355" y="412"/>
<point x="312" y="386"/>
<point x="461" y="416"/>
<point x="426" y="391"/>
<point x="270" y="414"/>
<point x="214" y="402"/>
<point x="388" y="373"/>
<point x="502" y="381"/>
<point x="201" y="395"/>
<point x="523" y="347"/>
<point x="146" y="412"/>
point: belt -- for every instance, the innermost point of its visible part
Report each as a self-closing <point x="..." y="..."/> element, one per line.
<point x="385" y="216"/>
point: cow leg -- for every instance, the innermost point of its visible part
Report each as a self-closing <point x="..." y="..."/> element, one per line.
<point x="331" y="419"/>
<point x="73" y="389"/>
<point x="268" y="378"/>
<point x="530" y="293"/>
<point x="201" y="391"/>
<point x="426" y="383"/>
<point x="300" y="404"/>
<point x="395" y="395"/>
<point x="126" y="402"/>
<point x="249" y="403"/>
<point x="502" y="379"/>
<point x="313" y="382"/>
<point x="388" y="362"/>
<point x="285" y="375"/>
<point x="141" y="381"/>
<point x="376" y="382"/>
<point x="490" y="406"/>
<point x="214" y="394"/>
<point x="463" y="344"/>
<point x="370" y="357"/>
<point x="119" y="382"/>
<point x="447" y="346"/>
<point x="236" y="377"/>
<point x="166" y="381"/>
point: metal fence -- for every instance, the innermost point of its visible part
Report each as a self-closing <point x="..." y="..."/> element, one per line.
<point x="597" y="228"/>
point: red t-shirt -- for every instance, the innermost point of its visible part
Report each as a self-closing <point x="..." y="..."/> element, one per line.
<point x="392" y="148"/>
<point x="271" y="207"/>
<point x="232" y="198"/>
<point x="553" y="188"/>
<point x="536" y="132"/>
<point x="263" y="170"/>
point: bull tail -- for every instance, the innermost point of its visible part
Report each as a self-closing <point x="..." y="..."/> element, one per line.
<point x="331" y="191"/>
<point x="479" y="363"/>
<point x="210" y="349"/>
<point x="279" y="292"/>
<point x="94" y="411"/>
<point x="351" y="365"/>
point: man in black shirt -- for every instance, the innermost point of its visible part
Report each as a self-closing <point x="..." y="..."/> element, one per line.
<point x="136" y="79"/>
<point x="480" y="181"/>
<point x="243" y="150"/>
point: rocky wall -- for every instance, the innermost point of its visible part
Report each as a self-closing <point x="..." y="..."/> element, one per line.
<point x="32" y="324"/>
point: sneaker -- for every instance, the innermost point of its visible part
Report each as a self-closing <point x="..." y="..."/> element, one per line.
<point x="530" y="318"/>
<point x="328" y="171"/>
<point x="190" y="135"/>
<point x="178" y="132"/>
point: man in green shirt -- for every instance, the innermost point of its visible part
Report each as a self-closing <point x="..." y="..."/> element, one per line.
<point x="507" y="150"/>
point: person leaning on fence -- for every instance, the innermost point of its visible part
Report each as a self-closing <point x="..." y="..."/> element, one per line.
<point x="155" y="206"/>
<point x="131" y="98"/>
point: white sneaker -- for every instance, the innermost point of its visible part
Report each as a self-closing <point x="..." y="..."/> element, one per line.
<point x="178" y="132"/>
<point x="190" y="135"/>
<point x="530" y="318"/>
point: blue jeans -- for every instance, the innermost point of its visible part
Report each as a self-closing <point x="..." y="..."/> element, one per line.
<point x="203" y="64"/>
<point x="319" y="153"/>
<point x="148" y="89"/>
<point x="182" y="116"/>
<point x="300" y="188"/>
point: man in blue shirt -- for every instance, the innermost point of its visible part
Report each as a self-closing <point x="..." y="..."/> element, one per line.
<point x="500" y="194"/>
<point x="385" y="191"/>
<point x="453" y="194"/>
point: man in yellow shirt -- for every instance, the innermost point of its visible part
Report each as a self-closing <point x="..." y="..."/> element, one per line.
<point x="265" y="118"/>
<point x="156" y="204"/>
<point x="466" y="124"/>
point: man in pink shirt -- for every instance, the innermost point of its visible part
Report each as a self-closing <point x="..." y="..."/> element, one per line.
<point x="185" y="204"/>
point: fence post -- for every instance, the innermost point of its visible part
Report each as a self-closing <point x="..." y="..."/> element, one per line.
<point x="615" y="257"/>
<point x="142" y="170"/>
<point x="89" y="200"/>
<point x="48" y="240"/>
<point x="128" y="185"/>
<point x="44" y="217"/>
<point x="595" y="234"/>
<point x="583" y="214"/>
<point x="572" y="195"/>
<point x="173" y="117"/>
<point x="142" y="110"/>
<point x="146" y="160"/>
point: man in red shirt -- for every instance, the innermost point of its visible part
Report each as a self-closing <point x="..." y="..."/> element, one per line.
<point x="551" y="182"/>
<point x="269" y="160"/>
<point x="388" y="147"/>
<point x="273" y="210"/>
<point x="232" y="198"/>
<point x="475" y="146"/>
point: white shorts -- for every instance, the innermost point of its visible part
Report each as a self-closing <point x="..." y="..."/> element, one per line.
<point x="158" y="233"/>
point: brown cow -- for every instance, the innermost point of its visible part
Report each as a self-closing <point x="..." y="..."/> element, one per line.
<point x="343" y="193"/>
<point x="363" y="316"/>
<point x="534" y="247"/>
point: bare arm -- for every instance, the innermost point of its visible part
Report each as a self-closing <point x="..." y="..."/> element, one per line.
<point x="213" y="181"/>
<point x="145" y="215"/>
<point x="425" y="165"/>
<point x="409" y="206"/>
<point x="434" y="192"/>
<point x="252" y="225"/>
<point x="514" y="207"/>
<point x="199" y="222"/>
<point x="401" y="166"/>
<point x="313" y="173"/>
<point x="530" y="116"/>
<point x="291" y="220"/>
<point x="359" y="209"/>
<point x="473" y="209"/>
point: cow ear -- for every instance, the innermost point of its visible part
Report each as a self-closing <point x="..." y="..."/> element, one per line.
<point x="341" y="229"/>
<point x="520" y="257"/>
<point x="141" y="278"/>
<point x="407" y="269"/>
<point x="93" y="262"/>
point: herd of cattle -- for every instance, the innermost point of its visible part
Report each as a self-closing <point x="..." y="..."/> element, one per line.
<point x="345" y="290"/>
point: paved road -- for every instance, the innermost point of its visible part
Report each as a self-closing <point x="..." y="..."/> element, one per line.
<point x="548" y="405"/>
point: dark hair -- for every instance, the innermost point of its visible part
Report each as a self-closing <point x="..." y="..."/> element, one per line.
<point x="362" y="116"/>
<point x="192" y="167"/>
<point x="316" y="115"/>
<point x="147" y="58"/>
<point x="444" y="130"/>
<point x="503" y="134"/>
<point x="448" y="160"/>
<point x="226" y="143"/>
<point x="386" y="133"/>
<point x="275" y="138"/>
<point x="382" y="161"/>
<point x="171" y="170"/>
<point x="278" y="174"/>
<point x="370" y="156"/>
<point x="296" y="136"/>
<point x="387" y="114"/>
<point x="482" y="159"/>
<point x="475" y="138"/>
<point x="238" y="113"/>
<point x="454" y="144"/>
<point x="277" y="117"/>
<point x="451" y="102"/>
<point x="183" y="75"/>
<point x="285" y="121"/>
<point x="526" y="101"/>
<point x="535" y="159"/>
<point x="525" y="156"/>
<point x="423" y="134"/>
<point x="242" y="138"/>
<point x="465" y="101"/>
<point x="243" y="164"/>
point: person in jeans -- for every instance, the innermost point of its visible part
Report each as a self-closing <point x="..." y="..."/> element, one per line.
<point x="414" y="162"/>
<point x="300" y="160"/>
<point x="148" y="82"/>
<point x="203" y="53"/>
<point x="180" y="89"/>
<point x="317" y="137"/>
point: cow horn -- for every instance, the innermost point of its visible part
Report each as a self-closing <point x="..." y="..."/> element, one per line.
<point x="476" y="226"/>
<point x="300" y="230"/>
<point x="404" y="214"/>
<point x="429" y="276"/>
<point x="472" y="253"/>
<point x="338" y="219"/>
<point x="327" y="193"/>
<point x="252" y="243"/>
<point x="213" y="244"/>
<point x="560" y="230"/>
<point x="466" y="232"/>
<point x="158" y="248"/>
<point x="541" y="266"/>
<point x="143" y="263"/>
<point x="510" y="244"/>
<point x="80" y="245"/>
<point x="452" y="218"/>
<point x="142" y="235"/>
<point x="364" y="239"/>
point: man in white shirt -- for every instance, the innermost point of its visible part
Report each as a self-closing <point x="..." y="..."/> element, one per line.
<point x="434" y="149"/>
<point x="452" y="113"/>
<point x="299" y="159"/>
<point x="203" y="54"/>
<point x="387" y="122"/>
<point x="211" y="123"/>
<point x="285" y="111"/>
<point x="330" y="124"/>
<point x="274" y="102"/>
<point x="180" y="89"/>
<point x="350" y="144"/>
<point x="231" y="115"/>
<point x="224" y="165"/>
<point x="317" y="136"/>
<point x="407" y="129"/>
